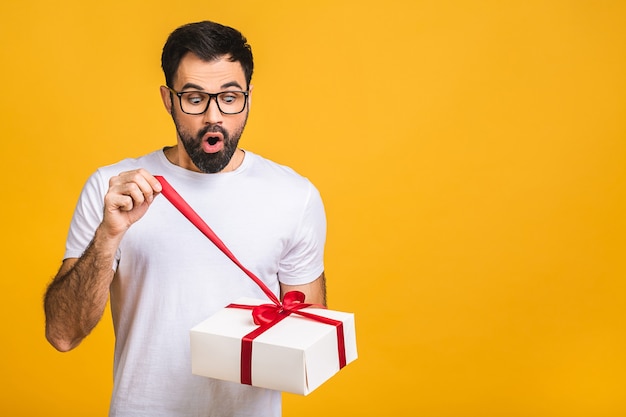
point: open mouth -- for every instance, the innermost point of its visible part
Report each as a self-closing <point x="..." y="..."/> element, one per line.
<point x="213" y="142"/>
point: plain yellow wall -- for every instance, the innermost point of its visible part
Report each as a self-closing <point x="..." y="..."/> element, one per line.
<point x="472" y="158"/>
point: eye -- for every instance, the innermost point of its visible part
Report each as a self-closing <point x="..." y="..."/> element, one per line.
<point x="195" y="98"/>
<point x="230" y="97"/>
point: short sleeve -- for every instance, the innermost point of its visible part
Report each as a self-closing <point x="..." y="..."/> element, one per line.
<point x="303" y="262"/>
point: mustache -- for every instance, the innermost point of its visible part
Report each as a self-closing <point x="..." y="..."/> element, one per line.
<point x="212" y="129"/>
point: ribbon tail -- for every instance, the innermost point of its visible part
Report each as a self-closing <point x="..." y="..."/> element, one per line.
<point x="177" y="201"/>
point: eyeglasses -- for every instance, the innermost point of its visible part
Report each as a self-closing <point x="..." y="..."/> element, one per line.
<point x="197" y="102"/>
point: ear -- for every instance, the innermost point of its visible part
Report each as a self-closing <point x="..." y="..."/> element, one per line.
<point x="250" y="96"/>
<point x="166" y="96"/>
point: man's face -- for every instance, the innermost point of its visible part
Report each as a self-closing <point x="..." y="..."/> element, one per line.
<point x="210" y="139"/>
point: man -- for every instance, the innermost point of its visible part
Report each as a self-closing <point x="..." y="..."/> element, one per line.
<point x="161" y="274"/>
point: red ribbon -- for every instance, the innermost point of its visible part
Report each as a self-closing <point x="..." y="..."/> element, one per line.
<point x="264" y="315"/>
<point x="177" y="201"/>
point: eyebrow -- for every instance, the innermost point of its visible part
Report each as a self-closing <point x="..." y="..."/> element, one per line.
<point x="200" y="88"/>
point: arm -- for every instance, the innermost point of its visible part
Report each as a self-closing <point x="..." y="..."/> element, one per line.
<point x="314" y="291"/>
<point x="75" y="300"/>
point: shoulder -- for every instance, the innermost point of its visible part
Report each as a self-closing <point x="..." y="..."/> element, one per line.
<point x="98" y="181"/>
<point x="261" y="167"/>
<point x="267" y="180"/>
<point x="149" y="161"/>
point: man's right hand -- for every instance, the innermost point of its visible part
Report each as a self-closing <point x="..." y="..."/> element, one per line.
<point x="127" y="200"/>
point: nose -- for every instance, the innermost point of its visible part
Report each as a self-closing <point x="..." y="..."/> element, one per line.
<point x="213" y="115"/>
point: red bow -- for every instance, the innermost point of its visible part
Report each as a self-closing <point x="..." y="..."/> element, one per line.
<point x="268" y="313"/>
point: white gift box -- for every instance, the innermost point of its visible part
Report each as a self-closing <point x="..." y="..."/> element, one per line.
<point x="295" y="355"/>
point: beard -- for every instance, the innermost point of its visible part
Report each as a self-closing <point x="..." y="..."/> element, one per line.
<point x="209" y="163"/>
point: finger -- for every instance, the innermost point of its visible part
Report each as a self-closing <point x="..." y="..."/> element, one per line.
<point x="139" y="184"/>
<point x="123" y="195"/>
<point x="148" y="184"/>
<point x="137" y="195"/>
<point x="122" y="202"/>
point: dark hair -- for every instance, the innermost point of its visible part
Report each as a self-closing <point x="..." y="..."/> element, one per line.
<point x="209" y="41"/>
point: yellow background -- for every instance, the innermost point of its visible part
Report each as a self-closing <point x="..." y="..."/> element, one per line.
<point x="472" y="159"/>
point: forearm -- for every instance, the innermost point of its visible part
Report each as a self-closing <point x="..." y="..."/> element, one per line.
<point x="75" y="300"/>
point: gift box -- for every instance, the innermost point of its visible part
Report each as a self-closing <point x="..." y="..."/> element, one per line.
<point x="294" y="351"/>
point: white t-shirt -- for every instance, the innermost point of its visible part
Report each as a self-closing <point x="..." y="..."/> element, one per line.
<point x="169" y="276"/>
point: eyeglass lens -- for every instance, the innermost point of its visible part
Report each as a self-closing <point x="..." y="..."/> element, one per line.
<point x="228" y="102"/>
